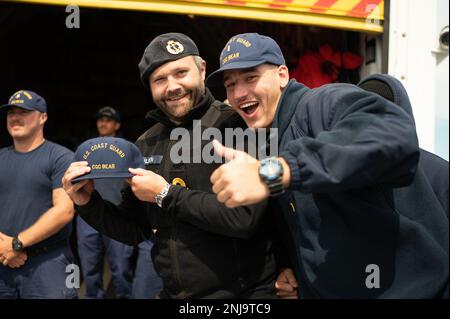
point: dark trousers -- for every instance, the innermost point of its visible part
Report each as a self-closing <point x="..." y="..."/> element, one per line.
<point x="41" y="277"/>
<point x="91" y="248"/>
<point x="147" y="283"/>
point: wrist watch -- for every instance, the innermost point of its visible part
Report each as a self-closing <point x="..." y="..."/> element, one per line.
<point x="17" y="245"/>
<point x="271" y="173"/>
<point x="159" y="198"/>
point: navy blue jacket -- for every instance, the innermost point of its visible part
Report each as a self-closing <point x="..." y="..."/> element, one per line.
<point x="347" y="150"/>
<point x="434" y="167"/>
<point x="436" y="172"/>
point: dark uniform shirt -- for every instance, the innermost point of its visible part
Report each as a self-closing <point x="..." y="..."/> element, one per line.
<point x="27" y="181"/>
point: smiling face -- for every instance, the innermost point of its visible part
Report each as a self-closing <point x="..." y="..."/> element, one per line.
<point x="177" y="86"/>
<point x="23" y="124"/>
<point x="254" y="93"/>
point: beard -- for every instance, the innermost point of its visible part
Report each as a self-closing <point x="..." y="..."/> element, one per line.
<point x="188" y="99"/>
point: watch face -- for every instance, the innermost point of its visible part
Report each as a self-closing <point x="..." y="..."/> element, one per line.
<point x="17" y="245"/>
<point x="270" y="169"/>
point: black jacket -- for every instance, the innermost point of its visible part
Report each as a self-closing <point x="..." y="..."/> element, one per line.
<point x="348" y="150"/>
<point x="203" y="249"/>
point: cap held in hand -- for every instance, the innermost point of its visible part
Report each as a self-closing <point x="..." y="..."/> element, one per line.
<point x="108" y="157"/>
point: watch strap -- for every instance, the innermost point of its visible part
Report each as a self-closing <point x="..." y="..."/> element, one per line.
<point x="17" y="245"/>
<point x="159" y="198"/>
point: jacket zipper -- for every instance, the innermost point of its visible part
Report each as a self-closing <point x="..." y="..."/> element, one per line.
<point x="241" y="280"/>
<point x="175" y="263"/>
<point x="172" y="241"/>
<point x="298" y="254"/>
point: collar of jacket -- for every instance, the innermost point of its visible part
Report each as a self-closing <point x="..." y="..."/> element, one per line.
<point x="158" y="116"/>
<point x="287" y="106"/>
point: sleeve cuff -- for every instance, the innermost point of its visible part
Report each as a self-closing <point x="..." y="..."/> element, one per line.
<point x="294" y="168"/>
<point x="84" y="209"/>
<point x="169" y="202"/>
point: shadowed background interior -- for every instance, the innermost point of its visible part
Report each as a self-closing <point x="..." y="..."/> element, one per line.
<point x="80" y="70"/>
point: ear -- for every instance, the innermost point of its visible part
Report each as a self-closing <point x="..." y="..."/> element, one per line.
<point x="43" y="118"/>
<point x="117" y="126"/>
<point x="203" y="70"/>
<point x="283" y="73"/>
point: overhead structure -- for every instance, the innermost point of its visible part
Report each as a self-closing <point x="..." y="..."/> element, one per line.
<point x="356" y="15"/>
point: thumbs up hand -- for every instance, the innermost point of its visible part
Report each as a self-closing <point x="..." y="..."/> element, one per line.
<point x="237" y="183"/>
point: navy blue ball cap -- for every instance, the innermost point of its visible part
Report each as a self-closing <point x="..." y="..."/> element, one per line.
<point x="110" y="112"/>
<point x="245" y="51"/>
<point x="165" y="48"/>
<point x="28" y="100"/>
<point x="108" y="157"/>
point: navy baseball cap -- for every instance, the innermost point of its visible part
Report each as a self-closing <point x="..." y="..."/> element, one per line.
<point x="245" y="51"/>
<point x="108" y="157"/>
<point x="27" y="100"/>
<point x="165" y="48"/>
<point x="108" y="111"/>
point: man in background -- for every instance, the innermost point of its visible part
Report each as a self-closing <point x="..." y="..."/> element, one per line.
<point x="92" y="245"/>
<point x="35" y="211"/>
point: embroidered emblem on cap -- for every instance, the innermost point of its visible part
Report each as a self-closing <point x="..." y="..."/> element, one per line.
<point x="174" y="47"/>
<point x="16" y="96"/>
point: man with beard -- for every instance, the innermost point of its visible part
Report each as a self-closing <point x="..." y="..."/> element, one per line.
<point x="203" y="249"/>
